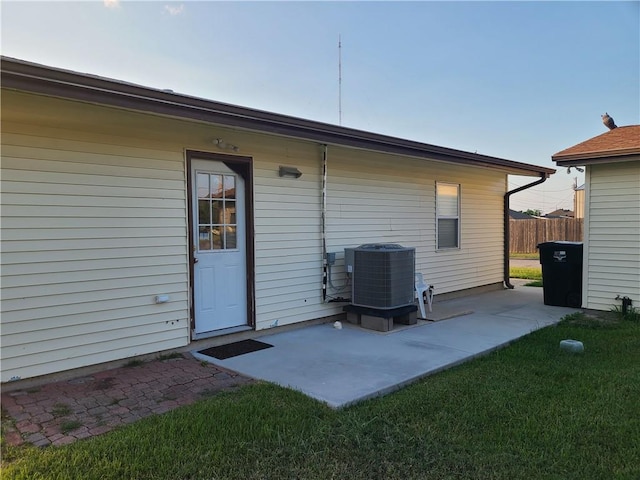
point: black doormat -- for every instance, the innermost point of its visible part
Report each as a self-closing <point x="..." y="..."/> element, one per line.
<point x="234" y="349"/>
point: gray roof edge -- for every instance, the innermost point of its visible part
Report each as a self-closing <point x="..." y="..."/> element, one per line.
<point x="595" y="158"/>
<point x="32" y="77"/>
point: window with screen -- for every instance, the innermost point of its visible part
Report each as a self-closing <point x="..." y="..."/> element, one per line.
<point x="448" y="215"/>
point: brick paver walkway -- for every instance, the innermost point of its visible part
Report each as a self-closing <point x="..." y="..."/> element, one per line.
<point x="62" y="412"/>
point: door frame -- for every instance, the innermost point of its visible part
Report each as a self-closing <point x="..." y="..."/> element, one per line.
<point x="243" y="166"/>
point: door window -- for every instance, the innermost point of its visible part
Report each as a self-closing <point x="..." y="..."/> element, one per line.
<point x="217" y="224"/>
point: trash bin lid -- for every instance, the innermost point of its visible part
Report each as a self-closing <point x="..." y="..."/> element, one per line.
<point x="560" y="243"/>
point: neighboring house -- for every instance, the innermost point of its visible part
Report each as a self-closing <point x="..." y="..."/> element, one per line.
<point x="514" y="215"/>
<point x="560" y="213"/>
<point x="137" y="220"/>
<point x="578" y="201"/>
<point x="611" y="257"/>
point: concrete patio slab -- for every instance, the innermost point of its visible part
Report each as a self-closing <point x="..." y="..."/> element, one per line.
<point x="344" y="366"/>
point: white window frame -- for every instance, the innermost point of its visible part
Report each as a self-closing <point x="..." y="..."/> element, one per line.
<point x="448" y="217"/>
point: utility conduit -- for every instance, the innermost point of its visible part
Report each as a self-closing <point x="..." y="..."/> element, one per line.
<point x="324" y="224"/>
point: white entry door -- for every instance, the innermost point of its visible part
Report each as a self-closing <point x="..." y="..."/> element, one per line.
<point x="220" y="272"/>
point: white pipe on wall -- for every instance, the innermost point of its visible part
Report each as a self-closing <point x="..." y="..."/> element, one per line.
<point x="324" y="224"/>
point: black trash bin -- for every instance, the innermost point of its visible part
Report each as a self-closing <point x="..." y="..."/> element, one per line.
<point x="561" y="273"/>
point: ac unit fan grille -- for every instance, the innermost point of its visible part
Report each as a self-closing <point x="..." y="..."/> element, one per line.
<point x="383" y="277"/>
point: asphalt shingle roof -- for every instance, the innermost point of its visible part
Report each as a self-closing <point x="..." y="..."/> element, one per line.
<point x="619" y="141"/>
<point x="519" y="215"/>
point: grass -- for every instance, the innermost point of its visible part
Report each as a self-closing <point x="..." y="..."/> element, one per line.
<point x="60" y="410"/>
<point x="528" y="273"/>
<point x="169" y="356"/>
<point x="632" y="314"/>
<point x="136" y="362"/>
<point x="527" y="411"/>
<point x="69" y="426"/>
<point x="525" y="256"/>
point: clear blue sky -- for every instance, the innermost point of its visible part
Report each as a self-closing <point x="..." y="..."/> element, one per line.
<point x="517" y="80"/>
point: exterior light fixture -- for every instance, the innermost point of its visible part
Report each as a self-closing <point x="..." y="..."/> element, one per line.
<point x="289" y="172"/>
<point x="222" y="145"/>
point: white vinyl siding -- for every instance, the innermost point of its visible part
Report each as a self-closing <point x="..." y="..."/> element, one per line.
<point x="612" y="235"/>
<point x="94" y="226"/>
<point x="369" y="202"/>
<point x="288" y="247"/>
<point x="91" y="233"/>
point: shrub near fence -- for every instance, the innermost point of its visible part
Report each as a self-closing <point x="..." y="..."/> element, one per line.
<point x="525" y="235"/>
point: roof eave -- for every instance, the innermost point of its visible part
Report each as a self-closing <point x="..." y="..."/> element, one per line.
<point x="595" y="158"/>
<point x="34" y="78"/>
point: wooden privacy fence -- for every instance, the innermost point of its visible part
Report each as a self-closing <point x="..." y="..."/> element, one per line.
<point x="525" y="235"/>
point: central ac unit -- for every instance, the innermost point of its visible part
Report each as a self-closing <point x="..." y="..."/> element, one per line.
<point x="383" y="276"/>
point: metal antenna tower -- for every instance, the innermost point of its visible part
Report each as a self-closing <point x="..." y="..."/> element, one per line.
<point x="339" y="80"/>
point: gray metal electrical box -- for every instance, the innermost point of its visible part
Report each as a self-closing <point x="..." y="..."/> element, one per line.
<point x="331" y="258"/>
<point x="348" y="259"/>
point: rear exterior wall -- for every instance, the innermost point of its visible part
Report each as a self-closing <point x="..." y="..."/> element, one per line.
<point x="95" y="225"/>
<point x="373" y="198"/>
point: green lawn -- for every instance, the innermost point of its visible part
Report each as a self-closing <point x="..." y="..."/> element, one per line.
<point x="525" y="256"/>
<point x="529" y="273"/>
<point x="529" y="411"/>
